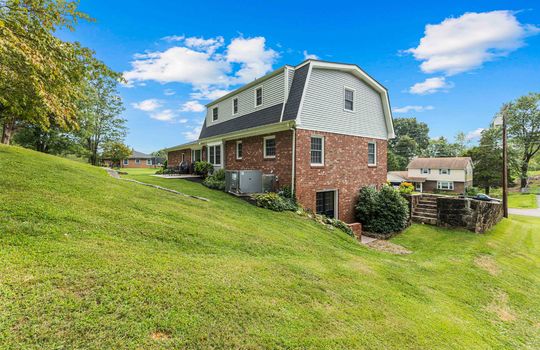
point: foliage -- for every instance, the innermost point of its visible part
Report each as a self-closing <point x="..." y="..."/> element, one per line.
<point x="417" y="131"/>
<point x="140" y="273"/>
<point x="383" y="211"/>
<point x="523" y="120"/>
<point x="406" y="188"/>
<point x="441" y="148"/>
<point x="395" y="162"/>
<point x="471" y="191"/>
<point x="53" y="140"/>
<point x="275" y="202"/>
<point x="287" y="192"/>
<point x="216" y="180"/>
<point x="203" y="168"/>
<point x="160" y="153"/>
<point x="116" y="151"/>
<point x="43" y="78"/>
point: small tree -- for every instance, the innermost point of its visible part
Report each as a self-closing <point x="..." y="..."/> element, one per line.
<point x="116" y="151"/>
<point x="384" y="211"/>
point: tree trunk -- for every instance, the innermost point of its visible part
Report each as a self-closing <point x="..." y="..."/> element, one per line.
<point x="486" y="189"/>
<point x="7" y="131"/>
<point x="524" y="173"/>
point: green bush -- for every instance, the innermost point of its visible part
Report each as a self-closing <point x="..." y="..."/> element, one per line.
<point x="203" y="168"/>
<point x="216" y="180"/>
<point x="471" y="191"/>
<point x="383" y="211"/>
<point x="275" y="202"/>
<point x="286" y="191"/>
<point x="159" y="171"/>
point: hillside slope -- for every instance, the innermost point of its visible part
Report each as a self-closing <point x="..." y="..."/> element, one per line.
<point x="93" y="262"/>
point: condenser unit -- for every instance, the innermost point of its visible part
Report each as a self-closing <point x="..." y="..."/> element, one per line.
<point x="243" y="181"/>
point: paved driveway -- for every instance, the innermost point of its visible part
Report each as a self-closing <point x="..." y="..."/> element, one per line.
<point x="527" y="212"/>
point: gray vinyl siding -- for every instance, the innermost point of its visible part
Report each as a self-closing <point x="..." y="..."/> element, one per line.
<point x="273" y="94"/>
<point x="323" y="106"/>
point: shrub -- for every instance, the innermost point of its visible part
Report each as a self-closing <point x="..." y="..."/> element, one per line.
<point x="286" y="191"/>
<point x="383" y="211"/>
<point x="203" y="168"/>
<point x="216" y="180"/>
<point x="275" y="202"/>
<point x="406" y="188"/>
<point x="159" y="171"/>
<point x="471" y="191"/>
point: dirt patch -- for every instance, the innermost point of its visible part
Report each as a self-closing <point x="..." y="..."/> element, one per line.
<point x="487" y="263"/>
<point x="500" y="307"/>
<point x="388" y="247"/>
<point x="160" y="335"/>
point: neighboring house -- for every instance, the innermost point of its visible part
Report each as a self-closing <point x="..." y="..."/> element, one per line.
<point x="319" y="127"/>
<point x="137" y="160"/>
<point x="452" y="174"/>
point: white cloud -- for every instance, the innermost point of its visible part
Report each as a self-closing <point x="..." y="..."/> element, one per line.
<point x="308" y="56"/>
<point x="147" y="105"/>
<point x="192" y="106"/>
<point x="172" y="38"/>
<point x="407" y="109"/>
<point x="178" y="64"/>
<point x="166" y="115"/>
<point x="182" y="121"/>
<point x="192" y="134"/>
<point x="254" y="58"/>
<point x="205" y="45"/>
<point x="204" y="93"/>
<point x="464" y="43"/>
<point x="430" y="86"/>
<point x="475" y="134"/>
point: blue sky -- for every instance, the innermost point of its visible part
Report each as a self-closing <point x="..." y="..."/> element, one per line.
<point x="475" y="56"/>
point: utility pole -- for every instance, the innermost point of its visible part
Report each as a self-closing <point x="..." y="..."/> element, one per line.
<point x="505" y="166"/>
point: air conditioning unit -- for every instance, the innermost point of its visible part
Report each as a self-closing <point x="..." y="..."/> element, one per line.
<point x="243" y="181"/>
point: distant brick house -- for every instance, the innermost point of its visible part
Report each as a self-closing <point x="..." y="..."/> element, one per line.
<point x="443" y="174"/>
<point x="137" y="160"/>
<point x="319" y="127"/>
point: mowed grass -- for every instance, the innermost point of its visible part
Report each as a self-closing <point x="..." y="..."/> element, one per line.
<point x="92" y="262"/>
<point x="522" y="200"/>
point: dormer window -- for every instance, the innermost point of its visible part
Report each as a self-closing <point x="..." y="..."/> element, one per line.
<point x="215" y="114"/>
<point x="235" y="106"/>
<point x="349" y="100"/>
<point x="258" y="96"/>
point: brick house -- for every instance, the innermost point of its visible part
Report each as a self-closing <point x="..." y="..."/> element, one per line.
<point x="319" y="127"/>
<point x="137" y="160"/>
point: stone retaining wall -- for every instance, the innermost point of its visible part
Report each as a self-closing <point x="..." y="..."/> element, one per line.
<point x="473" y="215"/>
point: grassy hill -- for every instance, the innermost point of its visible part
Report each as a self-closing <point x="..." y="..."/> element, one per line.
<point x="92" y="262"/>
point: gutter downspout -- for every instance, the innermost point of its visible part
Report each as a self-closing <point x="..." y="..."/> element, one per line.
<point x="293" y="129"/>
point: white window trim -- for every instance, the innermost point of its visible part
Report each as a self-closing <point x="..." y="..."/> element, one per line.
<point x="354" y="99"/>
<point x="220" y="152"/>
<point x="232" y="106"/>
<point x="193" y="154"/>
<point x="137" y="161"/>
<point x="447" y="171"/>
<point x="375" y="155"/>
<point x="264" y="147"/>
<point x="336" y="200"/>
<point x="450" y="185"/>
<point x="239" y="143"/>
<point x="149" y="161"/>
<point x="217" y="116"/>
<point x="255" y="96"/>
<point x="422" y="171"/>
<point x="126" y="162"/>
<point x="322" y="150"/>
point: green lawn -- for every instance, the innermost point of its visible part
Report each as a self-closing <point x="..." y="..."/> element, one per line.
<point x="92" y="262"/>
<point x="522" y="200"/>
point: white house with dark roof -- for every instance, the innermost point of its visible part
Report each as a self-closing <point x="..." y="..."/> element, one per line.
<point x="320" y="128"/>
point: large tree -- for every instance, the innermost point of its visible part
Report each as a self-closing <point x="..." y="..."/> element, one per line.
<point x="441" y="148"/>
<point x="416" y="130"/>
<point x="487" y="160"/>
<point x="523" y="120"/>
<point x="41" y="76"/>
<point x="100" y="120"/>
<point x="116" y="151"/>
<point x="54" y="140"/>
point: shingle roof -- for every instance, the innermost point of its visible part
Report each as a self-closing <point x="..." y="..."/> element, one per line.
<point x="438" y="163"/>
<point x="295" y="95"/>
<point x="140" y="155"/>
<point x="261" y="117"/>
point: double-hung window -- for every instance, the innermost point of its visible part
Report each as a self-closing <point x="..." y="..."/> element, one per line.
<point x="215" y="114"/>
<point x="349" y="100"/>
<point x="372" y="153"/>
<point x="196" y="155"/>
<point x="258" y="96"/>
<point x="214" y="154"/>
<point x="239" y="150"/>
<point x="235" y="106"/>
<point x="445" y="185"/>
<point x="447" y="172"/>
<point x="137" y="161"/>
<point x="149" y="162"/>
<point x="269" y="147"/>
<point x="126" y="161"/>
<point x="425" y="171"/>
<point x="317" y="150"/>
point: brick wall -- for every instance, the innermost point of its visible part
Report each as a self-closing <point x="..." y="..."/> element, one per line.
<point x="345" y="170"/>
<point x="252" y="156"/>
<point x="174" y="158"/>
<point x="133" y="164"/>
